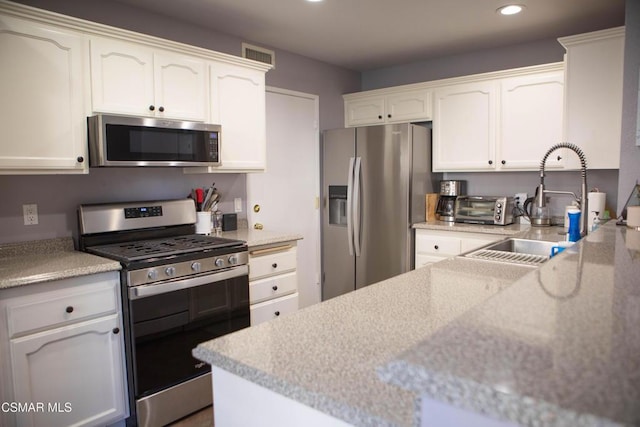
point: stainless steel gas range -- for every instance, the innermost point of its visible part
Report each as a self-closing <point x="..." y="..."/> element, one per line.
<point x="178" y="290"/>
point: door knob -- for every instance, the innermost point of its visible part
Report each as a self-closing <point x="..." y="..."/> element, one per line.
<point x="256" y="208"/>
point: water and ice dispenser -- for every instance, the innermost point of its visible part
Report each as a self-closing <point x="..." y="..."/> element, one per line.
<point x="338" y="205"/>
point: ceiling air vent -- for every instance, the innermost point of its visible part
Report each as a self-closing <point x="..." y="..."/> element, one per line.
<point x="259" y="54"/>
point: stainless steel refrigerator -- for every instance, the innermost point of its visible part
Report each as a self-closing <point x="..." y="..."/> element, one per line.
<point x="374" y="181"/>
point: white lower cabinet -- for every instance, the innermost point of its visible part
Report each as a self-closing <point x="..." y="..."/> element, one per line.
<point x="273" y="282"/>
<point x="435" y="245"/>
<point x="63" y="351"/>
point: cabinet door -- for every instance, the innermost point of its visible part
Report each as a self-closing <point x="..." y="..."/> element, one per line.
<point x="593" y="102"/>
<point x="366" y="111"/>
<point x="464" y="127"/>
<point x="531" y="120"/>
<point x="77" y="372"/>
<point x="408" y="106"/>
<point x="121" y="78"/>
<point x="180" y="87"/>
<point x="42" y="120"/>
<point x="238" y="104"/>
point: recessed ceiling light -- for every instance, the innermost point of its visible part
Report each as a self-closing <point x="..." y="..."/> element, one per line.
<point x="314" y="1"/>
<point x="511" y="9"/>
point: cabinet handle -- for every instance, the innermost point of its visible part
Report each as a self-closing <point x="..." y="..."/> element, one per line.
<point x="275" y="288"/>
<point x="69" y="309"/>
<point x="152" y="107"/>
<point x="559" y="158"/>
<point x="436" y="247"/>
<point x="490" y="162"/>
<point x="116" y="330"/>
<point x="161" y="109"/>
<point x="277" y="313"/>
<point x="380" y="117"/>
<point x="80" y="159"/>
<point x="503" y="162"/>
<point x="274" y="265"/>
<point x="270" y="250"/>
<point x="389" y="115"/>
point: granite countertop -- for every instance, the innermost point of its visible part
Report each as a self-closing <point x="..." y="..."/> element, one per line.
<point x="507" y="230"/>
<point x="551" y="346"/>
<point x="260" y="237"/>
<point x="45" y="260"/>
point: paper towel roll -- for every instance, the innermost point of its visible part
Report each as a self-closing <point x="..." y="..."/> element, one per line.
<point x="633" y="217"/>
<point x="595" y="202"/>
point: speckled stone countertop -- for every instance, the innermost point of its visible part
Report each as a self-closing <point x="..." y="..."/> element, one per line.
<point x="260" y="237"/>
<point x="551" y="346"/>
<point x="44" y="260"/>
<point x="507" y="230"/>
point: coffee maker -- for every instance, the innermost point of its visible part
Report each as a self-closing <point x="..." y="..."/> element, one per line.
<point x="449" y="191"/>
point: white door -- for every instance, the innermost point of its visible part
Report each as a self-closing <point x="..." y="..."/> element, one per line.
<point x="288" y="192"/>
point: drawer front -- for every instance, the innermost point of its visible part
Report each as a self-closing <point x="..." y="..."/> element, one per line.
<point x="272" y="309"/>
<point x="51" y="309"/>
<point x="272" y="263"/>
<point x="437" y="245"/>
<point x="272" y="287"/>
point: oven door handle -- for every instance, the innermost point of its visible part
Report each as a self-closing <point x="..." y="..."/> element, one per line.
<point x="144" y="291"/>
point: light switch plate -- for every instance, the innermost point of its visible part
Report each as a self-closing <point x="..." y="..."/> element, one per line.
<point x="237" y="204"/>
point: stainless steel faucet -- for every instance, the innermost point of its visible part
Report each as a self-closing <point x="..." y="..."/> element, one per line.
<point x="582" y="200"/>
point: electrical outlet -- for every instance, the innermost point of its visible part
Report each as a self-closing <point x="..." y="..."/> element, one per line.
<point x="520" y="199"/>
<point x="30" y="213"/>
<point x="237" y="204"/>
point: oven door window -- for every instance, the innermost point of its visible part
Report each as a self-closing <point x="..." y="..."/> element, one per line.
<point x="167" y="327"/>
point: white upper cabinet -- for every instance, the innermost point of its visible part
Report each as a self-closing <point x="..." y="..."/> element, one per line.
<point x="42" y="119"/>
<point x="464" y="127"/>
<point x="593" y="96"/>
<point x="238" y="105"/>
<point x="531" y="112"/>
<point x="397" y="106"/>
<point x="128" y="78"/>
<point x="503" y="121"/>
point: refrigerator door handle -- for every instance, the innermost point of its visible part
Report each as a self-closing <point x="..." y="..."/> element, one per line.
<point x="356" y="205"/>
<point x="349" y="205"/>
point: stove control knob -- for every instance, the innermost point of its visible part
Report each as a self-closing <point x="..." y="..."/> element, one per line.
<point x="170" y="271"/>
<point x="219" y="262"/>
<point x="233" y="259"/>
<point x="152" y="275"/>
<point x="196" y="266"/>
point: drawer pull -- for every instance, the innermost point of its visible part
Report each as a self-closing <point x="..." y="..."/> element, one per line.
<point x="277" y="313"/>
<point x="69" y="309"/>
<point x="274" y="265"/>
<point x="436" y="247"/>
<point x="275" y="288"/>
<point x="270" y="250"/>
<point x="116" y="330"/>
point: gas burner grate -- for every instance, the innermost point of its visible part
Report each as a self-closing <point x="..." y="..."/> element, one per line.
<point x="138" y="250"/>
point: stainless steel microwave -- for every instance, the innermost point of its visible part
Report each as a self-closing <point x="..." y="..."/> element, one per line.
<point x="496" y="210"/>
<point x="141" y="141"/>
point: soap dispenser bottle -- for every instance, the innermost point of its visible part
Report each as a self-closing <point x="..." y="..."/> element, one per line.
<point x="574" y="225"/>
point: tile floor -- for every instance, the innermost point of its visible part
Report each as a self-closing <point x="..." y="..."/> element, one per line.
<point x="202" y="418"/>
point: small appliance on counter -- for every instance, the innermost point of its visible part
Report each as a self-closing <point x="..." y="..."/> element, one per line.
<point x="492" y="210"/>
<point x="449" y="191"/>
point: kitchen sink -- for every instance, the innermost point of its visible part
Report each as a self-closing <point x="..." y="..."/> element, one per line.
<point x="515" y="251"/>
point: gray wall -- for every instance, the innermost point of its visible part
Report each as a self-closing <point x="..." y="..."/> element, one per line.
<point x="630" y="152"/>
<point x="58" y="196"/>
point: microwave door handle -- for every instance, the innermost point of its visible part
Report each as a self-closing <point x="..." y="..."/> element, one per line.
<point x="349" y="205"/>
<point x="357" y="205"/>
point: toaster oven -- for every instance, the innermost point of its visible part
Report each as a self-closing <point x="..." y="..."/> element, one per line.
<point x="496" y="210"/>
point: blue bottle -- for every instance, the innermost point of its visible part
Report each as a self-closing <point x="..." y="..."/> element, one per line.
<point x="574" y="226"/>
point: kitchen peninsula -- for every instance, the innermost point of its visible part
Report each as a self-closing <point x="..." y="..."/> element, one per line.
<point x="459" y="341"/>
